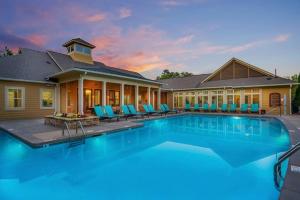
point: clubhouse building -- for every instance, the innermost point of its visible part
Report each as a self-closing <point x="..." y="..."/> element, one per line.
<point x="38" y="83"/>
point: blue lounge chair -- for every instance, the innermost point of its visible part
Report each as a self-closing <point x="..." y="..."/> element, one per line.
<point x="232" y="107"/>
<point x="224" y="107"/>
<point x="126" y="111"/>
<point x="244" y="108"/>
<point x="167" y="109"/>
<point x="99" y="112"/>
<point x="155" y="111"/>
<point x="196" y="107"/>
<point x="213" y="107"/>
<point x="187" y="107"/>
<point x="147" y="110"/>
<point x="110" y="113"/>
<point x="163" y="109"/>
<point x="254" y="108"/>
<point x="205" y="107"/>
<point x="134" y="112"/>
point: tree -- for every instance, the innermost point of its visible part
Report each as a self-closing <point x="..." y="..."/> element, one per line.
<point x="7" y="52"/>
<point x="166" y="74"/>
<point x="296" y="99"/>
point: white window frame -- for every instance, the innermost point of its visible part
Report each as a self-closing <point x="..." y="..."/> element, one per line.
<point x="22" y="97"/>
<point x="41" y="98"/>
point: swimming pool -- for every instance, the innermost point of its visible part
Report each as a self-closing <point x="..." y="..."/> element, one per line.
<point x="184" y="157"/>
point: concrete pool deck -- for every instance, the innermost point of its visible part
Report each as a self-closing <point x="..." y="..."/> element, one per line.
<point x="35" y="133"/>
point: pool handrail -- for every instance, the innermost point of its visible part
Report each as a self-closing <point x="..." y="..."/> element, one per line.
<point x="281" y="159"/>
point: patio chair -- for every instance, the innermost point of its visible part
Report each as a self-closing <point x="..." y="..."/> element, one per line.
<point x="163" y="109"/>
<point x="161" y="112"/>
<point x="187" y="107"/>
<point x="213" y="107"/>
<point x="196" y="107"/>
<point x="147" y="110"/>
<point x="126" y="111"/>
<point x="232" y="107"/>
<point x="224" y="107"/>
<point x="254" y="108"/>
<point x="168" y="109"/>
<point x="99" y="112"/>
<point x="205" y="107"/>
<point x="110" y="113"/>
<point x="134" y="112"/>
<point x="244" y="108"/>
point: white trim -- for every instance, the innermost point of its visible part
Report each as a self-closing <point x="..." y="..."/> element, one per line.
<point x="7" y="108"/>
<point x="80" y="95"/>
<point x="290" y="99"/>
<point x="57" y="100"/>
<point x="106" y="74"/>
<point x="24" y="80"/>
<point x="228" y="87"/>
<point x="53" y="96"/>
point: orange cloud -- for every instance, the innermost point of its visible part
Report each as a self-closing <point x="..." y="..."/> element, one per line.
<point x="96" y="17"/>
<point x="37" y="39"/>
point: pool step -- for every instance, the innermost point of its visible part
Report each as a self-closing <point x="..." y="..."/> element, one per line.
<point x="74" y="143"/>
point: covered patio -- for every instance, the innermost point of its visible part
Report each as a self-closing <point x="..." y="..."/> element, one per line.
<point x="79" y="92"/>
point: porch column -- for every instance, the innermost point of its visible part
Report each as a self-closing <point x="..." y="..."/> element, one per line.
<point x="149" y="95"/>
<point x="80" y="96"/>
<point x="103" y="93"/>
<point x="173" y="102"/>
<point x="136" y="93"/>
<point x="242" y="97"/>
<point x="122" y="94"/>
<point x="158" y="98"/>
<point x="57" y="98"/>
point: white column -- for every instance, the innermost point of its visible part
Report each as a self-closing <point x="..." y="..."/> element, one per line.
<point x="122" y="94"/>
<point x="57" y="98"/>
<point x="196" y="98"/>
<point x="158" y="98"/>
<point x="136" y="93"/>
<point x="209" y="97"/>
<point x="80" y="96"/>
<point x="104" y="93"/>
<point x="173" y="103"/>
<point x="224" y="97"/>
<point x="149" y="95"/>
<point x="290" y="100"/>
<point x="260" y="98"/>
<point x="242" y="97"/>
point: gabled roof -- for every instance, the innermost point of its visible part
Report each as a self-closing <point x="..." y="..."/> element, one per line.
<point x="201" y="81"/>
<point x="79" y="41"/>
<point x="67" y="63"/>
<point x="183" y="82"/>
<point x="30" y="65"/>
<point x="266" y="73"/>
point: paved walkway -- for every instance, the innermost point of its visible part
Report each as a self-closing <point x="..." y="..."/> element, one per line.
<point x="291" y="186"/>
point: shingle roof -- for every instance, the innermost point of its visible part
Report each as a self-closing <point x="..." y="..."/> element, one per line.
<point x="29" y="65"/>
<point x="195" y="82"/>
<point x="66" y="62"/>
<point x="183" y="82"/>
<point x="243" y="82"/>
<point x="80" y="41"/>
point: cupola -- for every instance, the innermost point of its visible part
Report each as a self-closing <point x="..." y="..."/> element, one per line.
<point x="80" y="50"/>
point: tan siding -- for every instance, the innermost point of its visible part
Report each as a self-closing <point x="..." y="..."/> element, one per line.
<point x="266" y="98"/>
<point x="32" y="101"/>
<point x="227" y="72"/>
<point x="253" y="73"/>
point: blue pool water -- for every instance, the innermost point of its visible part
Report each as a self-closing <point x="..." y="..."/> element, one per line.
<point x="187" y="157"/>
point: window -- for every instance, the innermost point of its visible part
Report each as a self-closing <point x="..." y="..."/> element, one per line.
<point x="274" y="99"/>
<point x="15" y="98"/>
<point x="113" y="98"/>
<point x="47" y="98"/>
<point x="97" y="98"/>
<point x="83" y="49"/>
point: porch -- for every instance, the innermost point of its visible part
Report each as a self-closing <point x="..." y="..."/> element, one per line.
<point x="80" y="96"/>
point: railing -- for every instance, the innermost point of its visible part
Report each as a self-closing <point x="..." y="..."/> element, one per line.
<point x="77" y="123"/>
<point x="282" y="158"/>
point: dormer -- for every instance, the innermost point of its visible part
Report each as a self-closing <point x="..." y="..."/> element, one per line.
<point x="80" y="50"/>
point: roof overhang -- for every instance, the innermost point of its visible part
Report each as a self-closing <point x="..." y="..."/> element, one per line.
<point x="102" y="73"/>
<point x="227" y="87"/>
<point x="28" y="81"/>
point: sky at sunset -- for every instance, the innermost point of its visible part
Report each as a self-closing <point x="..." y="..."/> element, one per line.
<point x="148" y="36"/>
